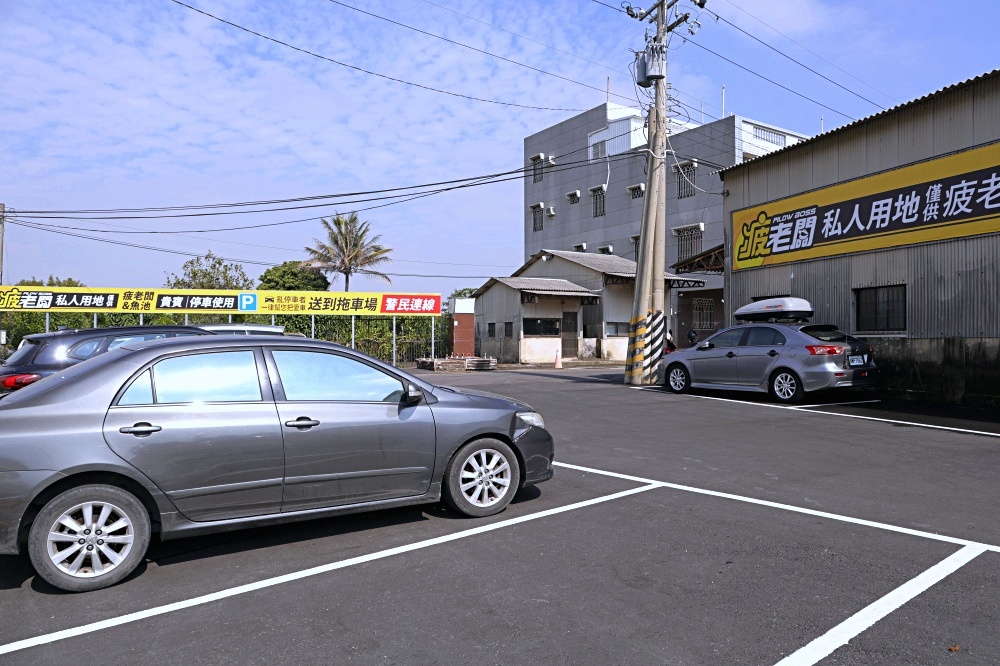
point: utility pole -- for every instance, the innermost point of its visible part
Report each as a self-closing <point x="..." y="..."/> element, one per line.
<point x="3" y="218"/>
<point x="646" y="329"/>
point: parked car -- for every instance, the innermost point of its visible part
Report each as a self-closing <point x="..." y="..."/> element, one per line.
<point x="775" y="350"/>
<point x="214" y="433"/>
<point x="42" y="354"/>
<point x="244" y="329"/>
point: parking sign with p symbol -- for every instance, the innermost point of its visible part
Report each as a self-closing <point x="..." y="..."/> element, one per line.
<point x="248" y="302"/>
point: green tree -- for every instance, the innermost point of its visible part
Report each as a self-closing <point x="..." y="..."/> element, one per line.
<point x="348" y="250"/>
<point x="209" y="272"/>
<point x="293" y="276"/>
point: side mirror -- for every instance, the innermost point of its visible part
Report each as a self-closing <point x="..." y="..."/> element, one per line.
<point x="413" y="394"/>
<point x="705" y="345"/>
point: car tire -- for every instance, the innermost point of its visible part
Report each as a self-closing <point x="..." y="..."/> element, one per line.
<point x="481" y="478"/>
<point x="785" y="386"/>
<point x="79" y="559"/>
<point x="678" y="379"/>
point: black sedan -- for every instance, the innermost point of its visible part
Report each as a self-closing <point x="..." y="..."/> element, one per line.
<point x="205" y="434"/>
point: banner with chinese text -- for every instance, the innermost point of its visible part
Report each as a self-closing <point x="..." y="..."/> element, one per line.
<point x="947" y="197"/>
<point x="215" y="301"/>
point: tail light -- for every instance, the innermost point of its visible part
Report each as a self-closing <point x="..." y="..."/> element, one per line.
<point x="17" y="381"/>
<point x="825" y="350"/>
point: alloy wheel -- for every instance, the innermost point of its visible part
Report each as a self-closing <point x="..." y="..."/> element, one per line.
<point x="785" y="386"/>
<point x="90" y="539"/>
<point x="485" y="477"/>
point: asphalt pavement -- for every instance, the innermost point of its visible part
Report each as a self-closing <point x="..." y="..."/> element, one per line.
<point x="698" y="529"/>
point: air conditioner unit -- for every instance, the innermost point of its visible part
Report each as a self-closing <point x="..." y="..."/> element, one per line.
<point x="552" y="160"/>
<point x="551" y="211"/>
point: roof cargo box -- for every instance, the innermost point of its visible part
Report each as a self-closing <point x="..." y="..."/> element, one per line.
<point x="771" y="309"/>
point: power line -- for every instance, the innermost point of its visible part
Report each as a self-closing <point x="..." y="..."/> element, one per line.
<point x="800" y="64"/>
<point x="473" y="48"/>
<point x="365" y="71"/>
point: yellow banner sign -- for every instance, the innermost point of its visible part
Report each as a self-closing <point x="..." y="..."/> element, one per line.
<point x="215" y="301"/>
<point x="947" y="197"/>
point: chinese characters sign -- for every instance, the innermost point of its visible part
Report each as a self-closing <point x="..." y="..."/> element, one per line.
<point x="949" y="197"/>
<point x="151" y="301"/>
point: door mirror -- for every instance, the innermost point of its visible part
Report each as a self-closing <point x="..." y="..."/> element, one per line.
<point x="413" y="394"/>
<point x="705" y="345"/>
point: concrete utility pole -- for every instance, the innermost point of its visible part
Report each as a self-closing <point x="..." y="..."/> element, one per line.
<point x="3" y="218"/>
<point x="646" y="330"/>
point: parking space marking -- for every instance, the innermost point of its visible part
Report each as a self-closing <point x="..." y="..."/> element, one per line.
<point x="305" y="573"/>
<point x="787" y="507"/>
<point x="838" y="404"/>
<point x="840" y="635"/>
<point x="804" y="410"/>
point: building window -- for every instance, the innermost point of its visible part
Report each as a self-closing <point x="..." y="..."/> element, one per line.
<point x="536" y="169"/>
<point x="491" y="330"/>
<point x="685" y="181"/>
<point x="574" y="197"/>
<point x="598" y="198"/>
<point x="637" y="191"/>
<point x="580" y="247"/>
<point x="508" y="329"/>
<point x="616" y="329"/>
<point x="536" y="218"/>
<point x="688" y="243"/>
<point x="541" y="327"/>
<point x="606" y="249"/>
<point x="881" y="308"/>
<point x="635" y="244"/>
<point x="598" y="150"/>
<point x="777" y="138"/>
<point x="704" y="314"/>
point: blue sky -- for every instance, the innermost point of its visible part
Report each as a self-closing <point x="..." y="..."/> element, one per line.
<point x="123" y="104"/>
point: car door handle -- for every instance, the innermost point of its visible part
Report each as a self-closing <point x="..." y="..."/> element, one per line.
<point x="140" y="430"/>
<point x="730" y="355"/>
<point x="772" y="353"/>
<point x="303" y="422"/>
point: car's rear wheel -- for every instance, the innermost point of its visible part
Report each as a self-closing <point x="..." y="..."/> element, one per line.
<point x="89" y="537"/>
<point x="678" y="378"/>
<point x="482" y="478"/>
<point x="786" y="387"/>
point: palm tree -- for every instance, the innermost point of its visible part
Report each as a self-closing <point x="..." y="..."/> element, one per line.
<point x="348" y="250"/>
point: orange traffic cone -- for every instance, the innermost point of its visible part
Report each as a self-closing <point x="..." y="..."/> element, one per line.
<point x="558" y="365"/>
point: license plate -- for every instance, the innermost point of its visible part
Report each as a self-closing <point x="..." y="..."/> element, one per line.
<point x="856" y="360"/>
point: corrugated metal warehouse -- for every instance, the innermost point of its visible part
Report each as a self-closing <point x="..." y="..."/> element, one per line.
<point x="890" y="227"/>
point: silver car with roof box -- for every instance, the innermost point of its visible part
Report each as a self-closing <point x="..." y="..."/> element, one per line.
<point x="774" y="350"/>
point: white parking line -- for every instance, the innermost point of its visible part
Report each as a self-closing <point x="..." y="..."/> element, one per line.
<point x="840" y="635"/>
<point x="836" y="404"/>
<point x="305" y="573"/>
<point x="786" y="507"/>
<point x="813" y="411"/>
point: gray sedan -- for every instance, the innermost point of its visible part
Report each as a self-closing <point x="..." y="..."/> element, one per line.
<point x="197" y="435"/>
<point x="785" y="360"/>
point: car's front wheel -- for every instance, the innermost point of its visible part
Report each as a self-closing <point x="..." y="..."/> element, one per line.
<point x="678" y="378"/>
<point x="482" y="478"/>
<point x="786" y="387"/>
<point x="89" y="537"/>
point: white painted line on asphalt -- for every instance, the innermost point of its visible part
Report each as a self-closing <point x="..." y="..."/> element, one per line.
<point x="840" y="635"/>
<point x="813" y="411"/>
<point x="305" y="573"/>
<point x="835" y="404"/>
<point x="788" y="507"/>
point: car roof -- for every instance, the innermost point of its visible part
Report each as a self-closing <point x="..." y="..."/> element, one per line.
<point x="111" y="330"/>
<point x="210" y="341"/>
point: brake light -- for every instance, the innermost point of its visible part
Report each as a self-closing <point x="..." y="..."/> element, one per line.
<point x="17" y="381"/>
<point x="824" y="350"/>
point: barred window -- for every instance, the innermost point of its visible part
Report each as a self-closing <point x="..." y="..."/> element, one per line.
<point x="637" y="191"/>
<point x="491" y="330"/>
<point x="881" y="308"/>
<point x="685" y="181"/>
<point x="536" y="218"/>
<point x="598" y="198"/>
<point x="688" y="243"/>
<point x="704" y="314"/>
<point x="574" y="197"/>
<point x="536" y="170"/>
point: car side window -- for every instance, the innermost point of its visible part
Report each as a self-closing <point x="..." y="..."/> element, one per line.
<point x="730" y="338"/>
<point x="87" y="348"/>
<point x="761" y="336"/>
<point x="140" y="392"/>
<point x="228" y="376"/>
<point x="307" y="375"/>
<point x="122" y="340"/>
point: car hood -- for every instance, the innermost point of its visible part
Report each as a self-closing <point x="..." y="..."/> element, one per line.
<point x="490" y="399"/>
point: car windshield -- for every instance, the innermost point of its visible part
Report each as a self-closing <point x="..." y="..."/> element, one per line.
<point x="826" y="333"/>
<point x="24" y="353"/>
